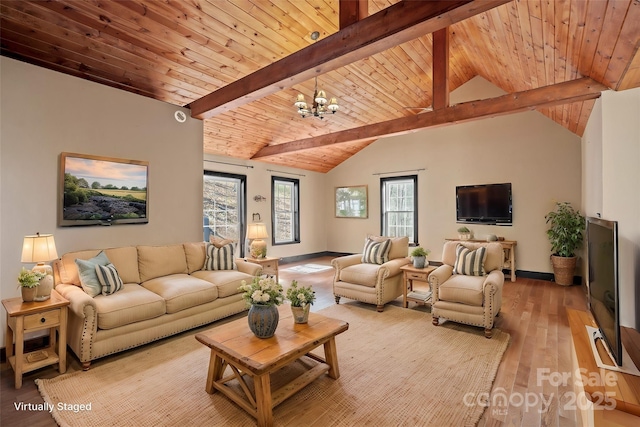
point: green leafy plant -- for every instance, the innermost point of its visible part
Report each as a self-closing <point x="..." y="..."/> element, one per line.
<point x="420" y="252"/>
<point x="262" y="291"/>
<point x="464" y="230"/>
<point x="300" y="296"/>
<point x="29" y="278"/>
<point x="566" y="229"/>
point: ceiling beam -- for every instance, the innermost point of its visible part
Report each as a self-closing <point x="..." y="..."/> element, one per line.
<point x="352" y="11"/>
<point x="547" y="96"/>
<point x="440" y="69"/>
<point x="399" y="23"/>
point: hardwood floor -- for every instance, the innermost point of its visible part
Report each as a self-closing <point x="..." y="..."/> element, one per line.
<point x="533" y="313"/>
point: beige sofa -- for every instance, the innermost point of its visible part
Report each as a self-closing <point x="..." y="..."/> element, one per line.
<point x="370" y="282"/>
<point x="165" y="291"/>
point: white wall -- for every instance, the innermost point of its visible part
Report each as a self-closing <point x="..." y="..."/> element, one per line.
<point x="612" y="154"/>
<point x="539" y="157"/>
<point x="313" y="236"/>
<point x="45" y="113"/>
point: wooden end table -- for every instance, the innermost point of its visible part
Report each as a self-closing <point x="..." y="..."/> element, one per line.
<point x="269" y="265"/>
<point x="411" y="273"/>
<point x="23" y="317"/>
<point x="234" y="345"/>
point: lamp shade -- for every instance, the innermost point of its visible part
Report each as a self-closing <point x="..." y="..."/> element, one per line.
<point x="39" y="248"/>
<point x="257" y="230"/>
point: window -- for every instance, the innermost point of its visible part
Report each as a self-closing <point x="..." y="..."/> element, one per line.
<point x="399" y="207"/>
<point x="285" y="216"/>
<point x="224" y="206"/>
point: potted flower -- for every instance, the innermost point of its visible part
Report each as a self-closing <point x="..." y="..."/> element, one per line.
<point x="565" y="234"/>
<point x="464" y="233"/>
<point x="28" y="282"/>
<point x="420" y="257"/>
<point x="301" y="298"/>
<point x="263" y="295"/>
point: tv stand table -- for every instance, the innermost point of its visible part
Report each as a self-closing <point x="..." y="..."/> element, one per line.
<point x="509" y="249"/>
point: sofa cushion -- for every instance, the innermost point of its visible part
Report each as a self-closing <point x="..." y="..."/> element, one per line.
<point x="470" y="262"/>
<point x="227" y="281"/>
<point x="360" y="274"/>
<point x="399" y="245"/>
<point x="130" y="305"/>
<point x="181" y="291"/>
<point x="109" y="279"/>
<point x="219" y="258"/>
<point x="195" y="254"/>
<point x="158" y="261"/>
<point x="462" y="289"/>
<point x="87" y="272"/>
<point x="375" y="252"/>
<point x="125" y="259"/>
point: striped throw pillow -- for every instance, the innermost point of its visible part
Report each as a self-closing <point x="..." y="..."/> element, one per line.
<point x="470" y="262"/>
<point x="219" y="258"/>
<point x="109" y="279"/>
<point x="376" y="252"/>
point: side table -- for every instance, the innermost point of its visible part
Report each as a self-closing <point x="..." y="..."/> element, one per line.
<point x="269" y="265"/>
<point x="411" y="273"/>
<point x="23" y="317"/>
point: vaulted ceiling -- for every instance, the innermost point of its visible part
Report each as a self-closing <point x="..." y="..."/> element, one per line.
<point x="239" y="64"/>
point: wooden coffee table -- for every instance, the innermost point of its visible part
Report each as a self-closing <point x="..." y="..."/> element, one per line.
<point x="234" y="345"/>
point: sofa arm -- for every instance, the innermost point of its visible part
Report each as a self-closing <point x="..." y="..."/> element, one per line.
<point x="493" y="283"/>
<point x="346" y="261"/>
<point x="438" y="277"/>
<point x="393" y="266"/>
<point x="82" y="324"/>
<point x="249" y="267"/>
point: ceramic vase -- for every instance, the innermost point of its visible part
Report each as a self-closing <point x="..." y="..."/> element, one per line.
<point x="29" y="294"/>
<point x="301" y="314"/>
<point x="263" y="320"/>
<point x="419" y="261"/>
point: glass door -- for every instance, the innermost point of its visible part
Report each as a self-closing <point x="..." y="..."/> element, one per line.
<point x="224" y="201"/>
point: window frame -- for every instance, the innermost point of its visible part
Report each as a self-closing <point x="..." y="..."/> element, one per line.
<point x="383" y="183"/>
<point x="242" y="215"/>
<point x="296" y="209"/>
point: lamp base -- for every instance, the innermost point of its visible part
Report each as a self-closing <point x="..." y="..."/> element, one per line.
<point x="46" y="283"/>
<point x="258" y="248"/>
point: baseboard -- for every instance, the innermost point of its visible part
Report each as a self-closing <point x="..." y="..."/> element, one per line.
<point x="577" y="280"/>
<point x="298" y="258"/>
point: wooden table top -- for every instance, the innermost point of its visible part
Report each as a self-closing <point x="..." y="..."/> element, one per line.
<point x="17" y="307"/>
<point x="235" y="341"/>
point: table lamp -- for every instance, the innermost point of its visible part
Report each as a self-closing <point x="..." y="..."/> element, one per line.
<point x="41" y="249"/>
<point x="256" y="232"/>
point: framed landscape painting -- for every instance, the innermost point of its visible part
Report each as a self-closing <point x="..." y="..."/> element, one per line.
<point x="97" y="190"/>
<point x="351" y="202"/>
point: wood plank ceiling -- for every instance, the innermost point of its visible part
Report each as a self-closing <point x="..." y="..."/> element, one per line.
<point x="178" y="51"/>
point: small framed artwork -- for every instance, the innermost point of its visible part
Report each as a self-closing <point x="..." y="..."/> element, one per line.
<point x="96" y="190"/>
<point x="351" y="202"/>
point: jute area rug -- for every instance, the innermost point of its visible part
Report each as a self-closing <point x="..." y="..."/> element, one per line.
<point x="397" y="369"/>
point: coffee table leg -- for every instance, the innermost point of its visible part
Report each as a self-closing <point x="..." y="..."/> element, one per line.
<point x="215" y="371"/>
<point x="264" y="402"/>
<point x="331" y="356"/>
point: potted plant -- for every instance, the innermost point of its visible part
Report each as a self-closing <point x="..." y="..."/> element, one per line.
<point x="419" y="256"/>
<point x="263" y="295"/>
<point x="464" y="233"/>
<point x="565" y="234"/>
<point x="28" y="282"/>
<point x="301" y="298"/>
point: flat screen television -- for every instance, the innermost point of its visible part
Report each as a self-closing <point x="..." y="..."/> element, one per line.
<point x="602" y="272"/>
<point x="96" y="190"/>
<point x="484" y="204"/>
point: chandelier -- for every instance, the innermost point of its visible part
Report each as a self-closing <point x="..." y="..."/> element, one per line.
<point x="319" y="107"/>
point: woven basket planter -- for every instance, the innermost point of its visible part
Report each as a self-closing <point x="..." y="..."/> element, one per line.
<point x="563" y="269"/>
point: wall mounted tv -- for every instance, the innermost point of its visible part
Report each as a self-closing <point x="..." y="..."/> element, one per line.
<point x="602" y="273"/>
<point x="95" y="190"/>
<point x="484" y="204"/>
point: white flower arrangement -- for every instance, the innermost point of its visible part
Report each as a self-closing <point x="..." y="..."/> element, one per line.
<point x="262" y="291"/>
<point x="300" y="296"/>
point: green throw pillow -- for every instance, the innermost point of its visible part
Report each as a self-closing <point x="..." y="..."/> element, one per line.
<point x="87" y="271"/>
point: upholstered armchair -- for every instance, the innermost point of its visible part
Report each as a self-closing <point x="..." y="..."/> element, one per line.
<point x="374" y="276"/>
<point x="467" y="287"/>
